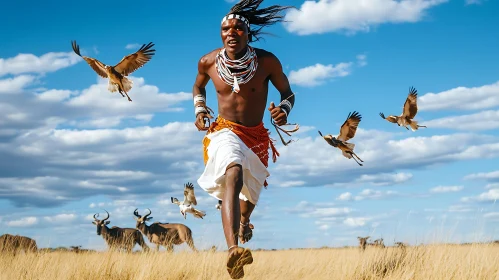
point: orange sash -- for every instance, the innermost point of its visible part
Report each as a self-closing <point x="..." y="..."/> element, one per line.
<point x="255" y="137"/>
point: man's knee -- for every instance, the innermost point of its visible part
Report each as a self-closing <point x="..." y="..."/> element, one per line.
<point x="234" y="175"/>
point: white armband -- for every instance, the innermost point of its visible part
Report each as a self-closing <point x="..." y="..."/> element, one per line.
<point x="199" y="98"/>
<point x="286" y="106"/>
<point x="199" y="109"/>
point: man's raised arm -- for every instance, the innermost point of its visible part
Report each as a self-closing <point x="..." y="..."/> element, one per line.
<point x="281" y="83"/>
<point x="199" y="95"/>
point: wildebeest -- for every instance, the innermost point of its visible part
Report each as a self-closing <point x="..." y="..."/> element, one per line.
<point x="164" y="234"/>
<point x="15" y="243"/>
<point x="119" y="238"/>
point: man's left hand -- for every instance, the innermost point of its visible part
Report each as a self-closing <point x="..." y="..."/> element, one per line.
<point x="278" y="115"/>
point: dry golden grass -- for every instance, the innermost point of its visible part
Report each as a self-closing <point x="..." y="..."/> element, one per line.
<point x="422" y="262"/>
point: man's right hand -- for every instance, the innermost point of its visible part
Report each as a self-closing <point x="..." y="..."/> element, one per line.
<point x="201" y="120"/>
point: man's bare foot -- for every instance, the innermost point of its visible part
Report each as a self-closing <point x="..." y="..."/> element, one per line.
<point x="245" y="232"/>
<point x="237" y="259"/>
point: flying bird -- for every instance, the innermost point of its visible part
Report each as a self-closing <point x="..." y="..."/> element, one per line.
<point x="189" y="200"/>
<point x="117" y="74"/>
<point x="409" y="111"/>
<point x="347" y="132"/>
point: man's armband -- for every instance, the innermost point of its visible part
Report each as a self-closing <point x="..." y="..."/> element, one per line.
<point x="286" y="106"/>
<point x="201" y="107"/>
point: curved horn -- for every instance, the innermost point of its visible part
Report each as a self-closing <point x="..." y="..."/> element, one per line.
<point x="136" y="213"/>
<point x="107" y="215"/>
<point x="147" y="215"/>
<point x="96" y="214"/>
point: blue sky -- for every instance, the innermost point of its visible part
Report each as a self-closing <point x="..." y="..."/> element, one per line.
<point x="69" y="148"/>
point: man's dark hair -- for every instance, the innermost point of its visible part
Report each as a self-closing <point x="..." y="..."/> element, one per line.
<point x="262" y="17"/>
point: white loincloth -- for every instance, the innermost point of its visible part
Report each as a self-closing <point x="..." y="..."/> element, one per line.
<point x="226" y="147"/>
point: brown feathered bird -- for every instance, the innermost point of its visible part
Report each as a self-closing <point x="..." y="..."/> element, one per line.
<point x="409" y="111"/>
<point x="347" y="132"/>
<point x="117" y="74"/>
<point x="189" y="200"/>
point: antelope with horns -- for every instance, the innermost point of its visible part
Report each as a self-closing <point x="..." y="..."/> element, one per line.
<point x="164" y="234"/>
<point x="15" y="243"/>
<point x="119" y="238"/>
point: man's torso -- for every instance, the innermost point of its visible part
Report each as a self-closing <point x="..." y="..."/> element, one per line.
<point x="246" y="107"/>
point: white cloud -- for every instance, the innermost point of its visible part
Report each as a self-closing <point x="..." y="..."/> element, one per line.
<point x="317" y="74"/>
<point x="446" y="189"/>
<point x="461" y="98"/>
<point x="374" y="194"/>
<point x="23" y="222"/>
<point x="16" y="84"/>
<point x="474" y="2"/>
<point x="366" y="194"/>
<point x="356" y="222"/>
<point x="489" y="176"/>
<point x="361" y="60"/>
<point x="491" y="215"/>
<point x="381" y="153"/>
<point x="485" y="120"/>
<point x="381" y="179"/>
<point x="54" y="95"/>
<point x="490" y="196"/>
<point x="29" y="63"/>
<point x="351" y="16"/>
<point x="60" y="218"/>
<point x="345" y="196"/>
<point x="97" y="100"/>
<point x="132" y="46"/>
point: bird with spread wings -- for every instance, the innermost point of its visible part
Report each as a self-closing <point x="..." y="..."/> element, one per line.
<point x="189" y="200"/>
<point x="117" y="74"/>
<point x="347" y="132"/>
<point x="409" y="111"/>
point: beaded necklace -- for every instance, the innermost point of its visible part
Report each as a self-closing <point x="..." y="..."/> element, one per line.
<point x="248" y="64"/>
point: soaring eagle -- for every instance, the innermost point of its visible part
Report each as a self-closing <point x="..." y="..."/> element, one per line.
<point x="117" y="74"/>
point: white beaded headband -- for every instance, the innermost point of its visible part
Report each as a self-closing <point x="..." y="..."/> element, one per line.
<point x="229" y="16"/>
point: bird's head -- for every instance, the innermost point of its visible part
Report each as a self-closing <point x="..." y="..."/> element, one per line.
<point x="320" y="133"/>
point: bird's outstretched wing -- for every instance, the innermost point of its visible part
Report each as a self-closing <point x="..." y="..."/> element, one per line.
<point x="135" y="60"/>
<point x="189" y="197"/>
<point x="411" y="105"/>
<point x="390" y="118"/>
<point x="98" y="66"/>
<point x="175" y="201"/>
<point x="349" y="127"/>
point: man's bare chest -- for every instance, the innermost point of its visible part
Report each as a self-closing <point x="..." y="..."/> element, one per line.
<point x="257" y="83"/>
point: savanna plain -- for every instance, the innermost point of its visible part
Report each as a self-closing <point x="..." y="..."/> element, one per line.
<point x="445" y="261"/>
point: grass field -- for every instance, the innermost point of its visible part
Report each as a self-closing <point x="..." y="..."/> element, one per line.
<point x="475" y="261"/>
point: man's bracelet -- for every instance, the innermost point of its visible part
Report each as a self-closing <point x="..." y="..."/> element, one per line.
<point x="286" y="106"/>
<point x="200" y="109"/>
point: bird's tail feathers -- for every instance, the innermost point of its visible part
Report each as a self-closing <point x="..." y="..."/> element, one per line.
<point x="349" y="145"/>
<point x="127" y="84"/>
<point x="112" y="87"/>
<point x="414" y="125"/>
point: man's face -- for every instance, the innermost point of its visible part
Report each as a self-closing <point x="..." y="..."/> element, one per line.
<point x="234" y="35"/>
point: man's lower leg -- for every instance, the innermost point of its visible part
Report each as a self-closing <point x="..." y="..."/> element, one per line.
<point x="231" y="212"/>
<point x="245" y="232"/>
